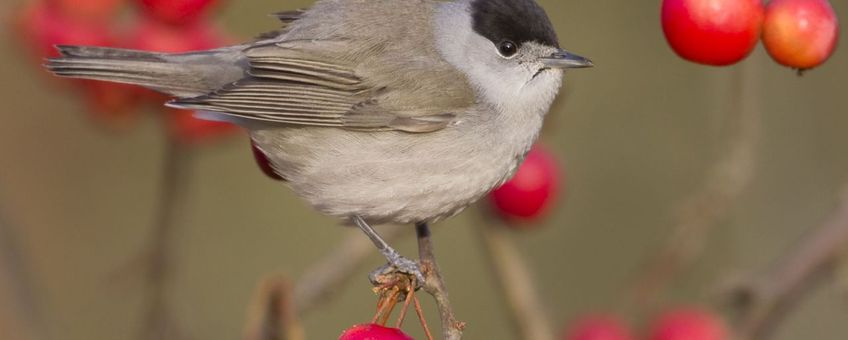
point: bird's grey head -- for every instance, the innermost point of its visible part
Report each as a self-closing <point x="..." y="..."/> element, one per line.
<point x="508" y="49"/>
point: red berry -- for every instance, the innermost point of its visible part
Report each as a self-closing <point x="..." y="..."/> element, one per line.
<point x="263" y="162"/>
<point x="373" y="332"/>
<point x="800" y="34"/>
<point x="88" y="9"/>
<point x="151" y="35"/>
<point x="176" y="11"/>
<point x="531" y="190"/>
<point x="112" y="104"/>
<point x="42" y="27"/>
<point x="688" y="324"/>
<point x="712" y="32"/>
<point x="599" y="327"/>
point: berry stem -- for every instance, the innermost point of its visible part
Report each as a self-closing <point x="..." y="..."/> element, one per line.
<point x="391" y="301"/>
<point x="409" y="295"/>
<point x="420" y="313"/>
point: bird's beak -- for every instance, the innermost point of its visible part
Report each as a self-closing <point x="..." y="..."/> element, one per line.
<point x="564" y="59"/>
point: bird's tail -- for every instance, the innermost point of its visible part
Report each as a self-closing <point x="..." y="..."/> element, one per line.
<point x="181" y="75"/>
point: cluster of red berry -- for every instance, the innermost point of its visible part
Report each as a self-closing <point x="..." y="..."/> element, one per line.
<point x="678" y="324"/>
<point x="154" y="25"/>
<point x="800" y="34"/>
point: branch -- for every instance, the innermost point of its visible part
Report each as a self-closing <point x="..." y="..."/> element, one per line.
<point x="157" y="323"/>
<point x="272" y="315"/>
<point x="325" y="278"/>
<point x="516" y="282"/>
<point x="435" y="285"/>
<point x="762" y="304"/>
<point x="713" y="202"/>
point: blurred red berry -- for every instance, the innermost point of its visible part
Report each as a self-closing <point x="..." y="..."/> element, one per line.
<point x="800" y="34"/>
<point x="112" y="104"/>
<point x="373" y="332"/>
<point x="151" y="35"/>
<point x="712" y="32"/>
<point x="186" y="129"/>
<point x="177" y="11"/>
<point x="263" y="162"/>
<point x="42" y="27"/>
<point x="599" y="327"/>
<point x="688" y="324"/>
<point x="101" y="10"/>
<point x="531" y="190"/>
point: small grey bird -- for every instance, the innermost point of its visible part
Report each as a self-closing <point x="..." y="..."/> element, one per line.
<point x="374" y="111"/>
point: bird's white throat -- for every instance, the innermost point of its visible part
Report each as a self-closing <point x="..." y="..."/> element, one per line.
<point x="518" y="92"/>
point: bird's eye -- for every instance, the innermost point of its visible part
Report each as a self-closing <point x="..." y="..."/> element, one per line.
<point x="507" y="48"/>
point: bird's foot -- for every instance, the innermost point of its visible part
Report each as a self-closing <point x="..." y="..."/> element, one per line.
<point x="397" y="265"/>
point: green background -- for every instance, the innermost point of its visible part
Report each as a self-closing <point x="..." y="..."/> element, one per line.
<point x="636" y="135"/>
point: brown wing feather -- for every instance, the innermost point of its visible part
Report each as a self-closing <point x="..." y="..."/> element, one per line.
<point x="286" y="86"/>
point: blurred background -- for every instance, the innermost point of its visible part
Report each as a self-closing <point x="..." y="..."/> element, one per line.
<point x="637" y="139"/>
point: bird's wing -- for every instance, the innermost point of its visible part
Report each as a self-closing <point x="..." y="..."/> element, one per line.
<point x="287" y="18"/>
<point x="333" y="84"/>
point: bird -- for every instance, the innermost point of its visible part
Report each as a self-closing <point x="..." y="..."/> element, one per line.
<point x="373" y="111"/>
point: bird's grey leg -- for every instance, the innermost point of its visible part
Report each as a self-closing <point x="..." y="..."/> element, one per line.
<point x="395" y="260"/>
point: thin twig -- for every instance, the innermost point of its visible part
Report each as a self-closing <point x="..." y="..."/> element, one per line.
<point x="713" y="202"/>
<point x="420" y="312"/>
<point x="435" y="285"/>
<point x="409" y="295"/>
<point x="325" y="278"/>
<point x="272" y="315"/>
<point x="158" y="323"/>
<point x="391" y="302"/>
<point x="528" y="312"/>
<point x="761" y="305"/>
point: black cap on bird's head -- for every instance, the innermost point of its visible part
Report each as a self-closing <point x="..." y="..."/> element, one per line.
<point x="519" y="22"/>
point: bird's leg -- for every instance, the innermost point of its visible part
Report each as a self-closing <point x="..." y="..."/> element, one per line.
<point x="396" y="262"/>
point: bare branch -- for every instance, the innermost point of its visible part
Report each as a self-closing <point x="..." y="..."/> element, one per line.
<point x="326" y="277"/>
<point x="158" y="322"/>
<point x="763" y="303"/>
<point x="272" y="315"/>
<point x="516" y="281"/>
<point x="713" y="202"/>
<point x="435" y="285"/>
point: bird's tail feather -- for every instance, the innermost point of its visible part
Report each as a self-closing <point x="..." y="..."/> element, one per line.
<point x="180" y="75"/>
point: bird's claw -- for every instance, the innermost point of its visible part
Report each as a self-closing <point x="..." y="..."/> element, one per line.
<point x="397" y="264"/>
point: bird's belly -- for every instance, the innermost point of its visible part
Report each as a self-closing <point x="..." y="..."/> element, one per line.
<point x="388" y="176"/>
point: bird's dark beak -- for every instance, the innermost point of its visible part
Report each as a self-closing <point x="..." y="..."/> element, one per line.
<point x="564" y="59"/>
